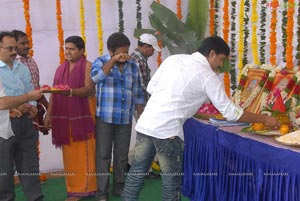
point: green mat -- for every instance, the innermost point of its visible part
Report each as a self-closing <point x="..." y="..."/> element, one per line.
<point x="55" y="190"/>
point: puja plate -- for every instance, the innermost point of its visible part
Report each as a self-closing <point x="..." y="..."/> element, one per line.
<point x="55" y="90"/>
<point x="265" y="132"/>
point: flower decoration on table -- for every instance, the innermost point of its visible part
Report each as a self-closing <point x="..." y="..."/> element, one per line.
<point x="208" y="110"/>
<point x="233" y="46"/>
<point x="60" y="32"/>
<point x="244" y="75"/>
<point x="289" y="35"/>
<point x="290" y="85"/>
<point x="99" y="26"/>
<point x="294" y="113"/>
<point x="262" y="43"/>
<point x="121" y="15"/>
<point x="138" y="14"/>
<point x="28" y="25"/>
<point x="279" y="108"/>
<point x="268" y="86"/>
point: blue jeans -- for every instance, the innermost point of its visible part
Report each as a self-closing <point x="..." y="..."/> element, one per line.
<point x="169" y="152"/>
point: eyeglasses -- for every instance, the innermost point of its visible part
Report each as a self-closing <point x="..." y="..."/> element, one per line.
<point x="10" y="48"/>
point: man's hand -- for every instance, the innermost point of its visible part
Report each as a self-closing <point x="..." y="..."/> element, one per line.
<point x="32" y="112"/>
<point x="122" y="57"/>
<point x="15" y="113"/>
<point x="35" y="95"/>
<point x="24" y="108"/>
<point x="271" y="122"/>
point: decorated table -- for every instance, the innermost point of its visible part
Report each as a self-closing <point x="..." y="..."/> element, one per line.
<point x="223" y="163"/>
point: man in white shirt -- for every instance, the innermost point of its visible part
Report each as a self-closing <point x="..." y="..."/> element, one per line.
<point x="178" y="89"/>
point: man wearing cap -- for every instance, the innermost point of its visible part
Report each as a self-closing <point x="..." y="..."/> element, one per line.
<point x="147" y="43"/>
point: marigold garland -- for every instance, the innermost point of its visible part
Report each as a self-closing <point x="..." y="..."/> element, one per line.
<point x="82" y="21"/>
<point x="60" y="32"/>
<point x="138" y="14"/>
<point x="233" y="46"/>
<point x="211" y="17"/>
<point x="289" y="34"/>
<point x="178" y="9"/>
<point x="241" y="37"/>
<point x="121" y="15"/>
<point x="159" y="54"/>
<point x="28" y="25"/>
<point x="99" y="26"/>
<point x="254" y="43"/>
<point x="226" y="24"/>
<point x="273" y="39"/>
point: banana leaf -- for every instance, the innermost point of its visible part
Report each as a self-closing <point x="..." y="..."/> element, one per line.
<point x="197" y="16"/>
<point x="176" y="35"/>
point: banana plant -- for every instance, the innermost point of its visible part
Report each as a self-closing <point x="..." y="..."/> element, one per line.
<point x="177" y="36"/>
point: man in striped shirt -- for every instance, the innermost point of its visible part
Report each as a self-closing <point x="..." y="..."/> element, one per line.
<point x="23" y="56"/>
<point x="119" y="94"/>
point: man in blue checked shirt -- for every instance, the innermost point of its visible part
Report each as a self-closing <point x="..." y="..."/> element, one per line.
<point x="119" y="94"/>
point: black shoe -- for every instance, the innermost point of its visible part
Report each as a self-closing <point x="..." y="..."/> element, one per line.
<point x="117" y="193"/>
<point x="152" y="175"/>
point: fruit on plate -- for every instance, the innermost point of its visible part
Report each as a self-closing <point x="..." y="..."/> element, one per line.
<point x="284" y="129"/>
<point x="257" y="126"/>
<point x="61" y="87"/>
<point x="45" y="87"/>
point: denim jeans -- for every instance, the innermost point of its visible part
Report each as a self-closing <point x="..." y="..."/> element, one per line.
<point x="169" y="152"/>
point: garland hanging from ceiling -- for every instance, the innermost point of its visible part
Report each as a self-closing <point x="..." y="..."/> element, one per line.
<point x="60" y="32"/>
<point x="121" y="15"/>
<point x="82" y="21"/>
<point x="28" y="25"/>
<point x="99" y="26"/>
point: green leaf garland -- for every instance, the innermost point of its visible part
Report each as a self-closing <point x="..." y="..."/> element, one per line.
<point x="138" y="14"/>
<point x="262" y="44"/>
<point x="232" y="71"/>
<point x="121" y="15"/>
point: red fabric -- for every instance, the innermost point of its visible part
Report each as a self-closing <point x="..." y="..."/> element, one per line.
<point x="71" y="113"/>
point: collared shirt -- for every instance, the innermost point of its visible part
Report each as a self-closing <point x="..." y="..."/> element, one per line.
<point x="33" y="69"/>
<point x="5" y="126"/>
<point x="144" y="69"/>
<point x="118" y="92"/>
<point x="178" y="88"/>
<point x="16" y="81"/>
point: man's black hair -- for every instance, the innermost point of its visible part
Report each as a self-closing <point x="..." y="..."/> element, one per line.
<point x="17" y="34"/>
<point x="5" y="33"/>
<point x="117" y="40"/>
<point x="215" y="43"/>
<point x="77" y="41"/>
